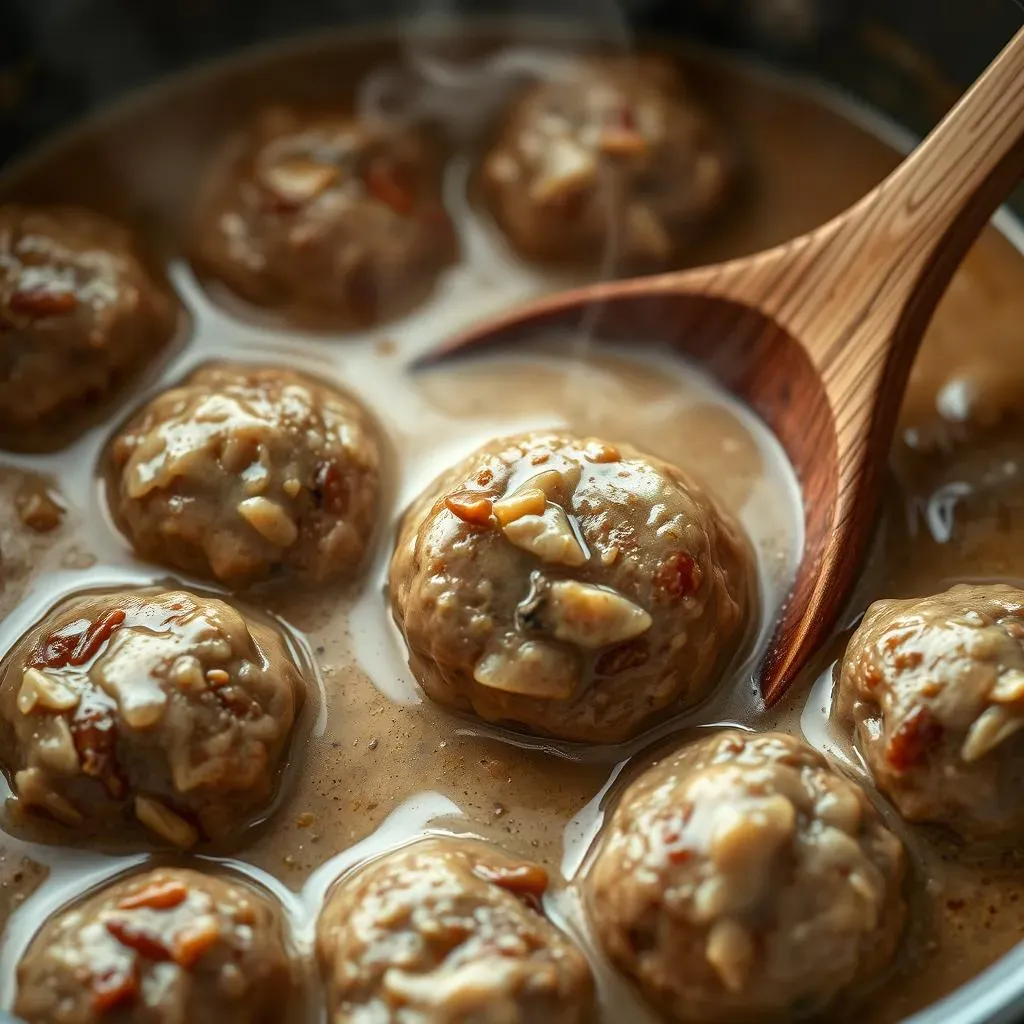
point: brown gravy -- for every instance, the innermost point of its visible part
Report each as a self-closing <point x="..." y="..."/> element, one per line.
<point x="380" y="764"/>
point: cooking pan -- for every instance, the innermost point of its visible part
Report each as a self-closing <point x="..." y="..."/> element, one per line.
<point x="907" y="59"/>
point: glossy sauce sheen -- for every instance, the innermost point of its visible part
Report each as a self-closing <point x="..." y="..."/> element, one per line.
<point x="373" y="765"/>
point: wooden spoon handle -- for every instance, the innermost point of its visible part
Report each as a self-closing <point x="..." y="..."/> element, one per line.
<point x="864" y="287"/>
<point x="858" y="295"/>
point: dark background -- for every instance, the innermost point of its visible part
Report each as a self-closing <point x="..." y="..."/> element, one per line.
<point x="59" y="59"/>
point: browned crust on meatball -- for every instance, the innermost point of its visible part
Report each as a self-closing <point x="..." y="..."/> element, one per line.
<point x="932" y="690"/>
<point x="169" y="944"/>
<point x="244" y="473"/>
<point x="613" y="161"/>
<point x="159" y="707"/>
<point x="449" y="930"/>
<point x="615" y="590"/>
<point x="80" y="314"/>
<point x="330" y="220"/>
<point x="742" y="879"/>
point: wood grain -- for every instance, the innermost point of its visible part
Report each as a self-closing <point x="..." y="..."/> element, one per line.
<point x="819" y="335"/>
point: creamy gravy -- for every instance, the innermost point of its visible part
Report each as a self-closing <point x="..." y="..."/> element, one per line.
<point x="373" y="764"/>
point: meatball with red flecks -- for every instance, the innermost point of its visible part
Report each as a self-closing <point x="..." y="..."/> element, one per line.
<point x="932" y="690"/>
<point x="570" y="587"/>
<point x="327" y="219"/>
<point x="444" y="931"/>
<point x="245" y="473"/>
<point x="167" y="945"/>
<point x="614" y="161"/>
<point x="79" y="314"/>
<point x="160" y="708"/>
<point x="743" y="879"/>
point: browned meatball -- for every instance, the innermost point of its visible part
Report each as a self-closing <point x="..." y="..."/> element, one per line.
<point x="613" y="161"/>
<point x="933" y="691"/>
<point x="242" y="473"/>
<point x="570" y="586"/>
<point x="78" y="314"/>
<point x="742" y="879"/>
<point x="160" y="706"/>
<point x="166" y="947"/>
<point x="330" y="220"/>
<point x="449" y="931"/>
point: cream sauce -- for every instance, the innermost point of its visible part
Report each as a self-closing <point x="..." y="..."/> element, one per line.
<point x="381" y="765"/>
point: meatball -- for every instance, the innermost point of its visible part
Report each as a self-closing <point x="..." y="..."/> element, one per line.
<point x="614" y="161"/>
<point x="742" y="879"/>
<point x="570" y="586"/>
<point x="167" y="945"/>
<point x="933" y="691"/>
<point x="245" y="472"/>
<point x="330" y="220"/>
<point x="79" y="313"/>
<point x="445" y="931"/>
<point x="162" y="706"/>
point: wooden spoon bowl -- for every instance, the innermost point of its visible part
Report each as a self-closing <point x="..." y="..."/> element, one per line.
<point x="818" y="335"/>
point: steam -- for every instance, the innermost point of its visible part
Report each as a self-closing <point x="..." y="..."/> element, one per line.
<point x="463" y="96"/>
<point x="435" y="83"/>
<point x="443" y="80"/>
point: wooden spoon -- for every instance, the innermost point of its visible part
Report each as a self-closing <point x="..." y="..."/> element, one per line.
<point x="818" y="335"/>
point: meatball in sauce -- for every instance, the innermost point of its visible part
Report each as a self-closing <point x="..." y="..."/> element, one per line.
<point x="79" y="314"/>
<point x="609" y="601"/>
<point x="448" y="931"/>
<point x="743" y="879"/>
<point x="571" y="587"/>
<point x="932" y="690"/>
<point x="243" y="473"/>
<point x="614" y="161"/>
<point x="163" y="708"/>
<point x="329" y="220"/>
<point x="170" y="945"/>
